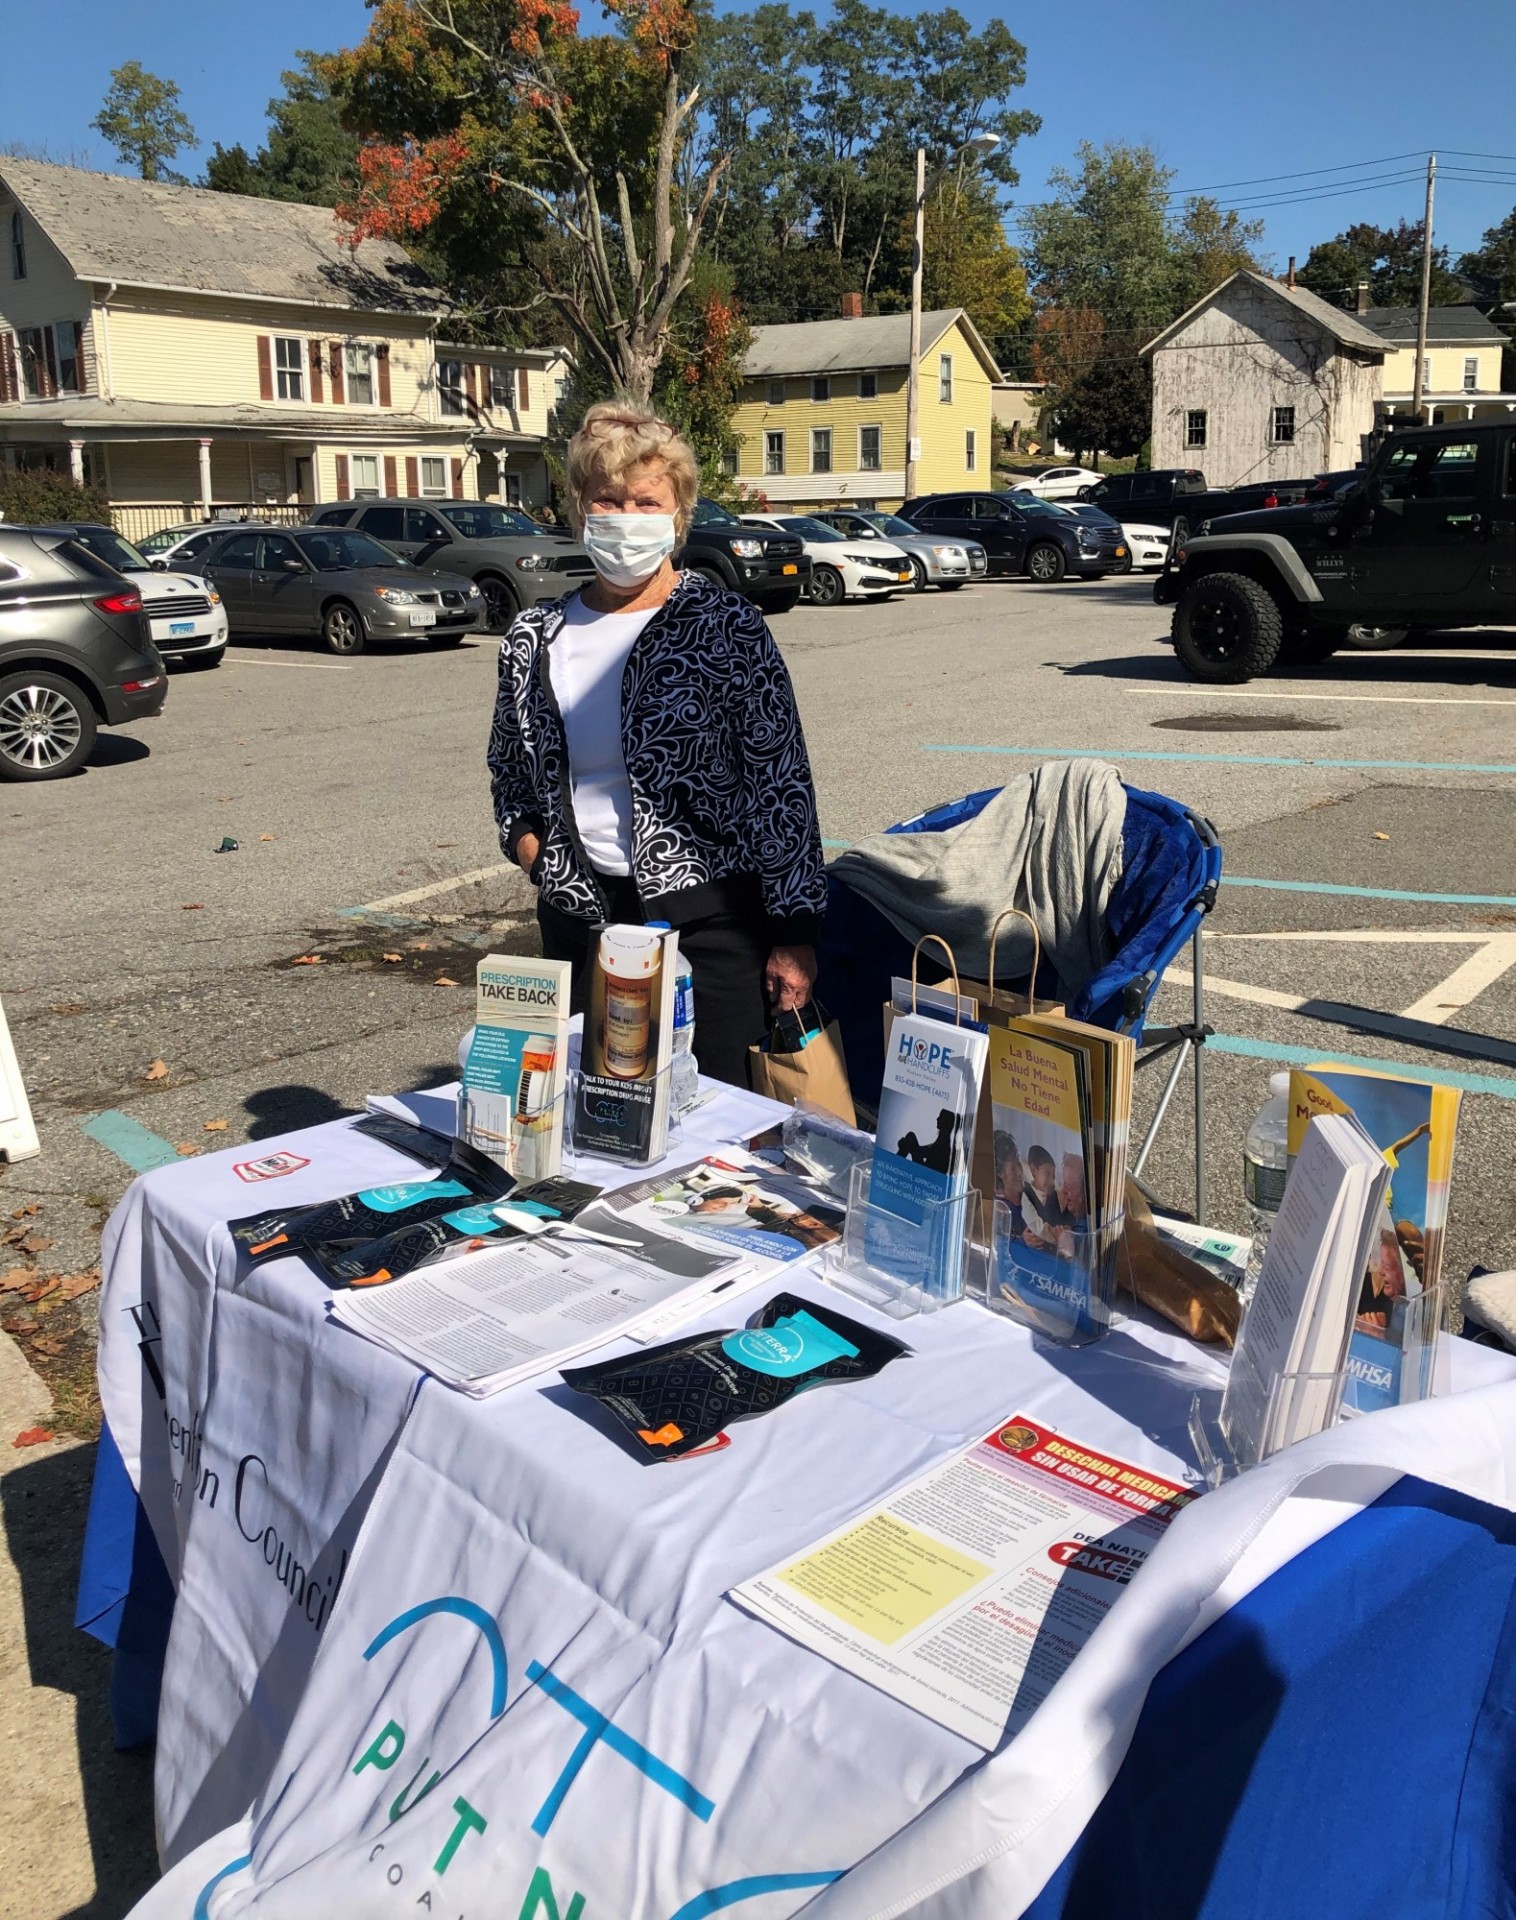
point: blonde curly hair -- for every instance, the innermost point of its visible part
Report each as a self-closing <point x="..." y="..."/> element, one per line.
<point x="616" y="436"/>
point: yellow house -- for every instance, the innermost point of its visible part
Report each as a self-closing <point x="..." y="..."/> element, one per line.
<point x="197" y="353"/>
<point x="512" y="395"/>
<point x="822" y="414"/>
<point x="1461" y="373"/>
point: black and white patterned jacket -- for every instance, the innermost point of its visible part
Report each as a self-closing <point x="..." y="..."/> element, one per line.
<point x="720" y="779"/>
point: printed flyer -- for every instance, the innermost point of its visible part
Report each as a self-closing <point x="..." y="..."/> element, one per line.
<point x="968" y="1592"/>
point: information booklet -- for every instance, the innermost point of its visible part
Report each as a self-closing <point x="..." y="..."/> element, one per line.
<point x="735" y="1202"/>
<point x="621" y="1097"/>
<point x="968" y="1591"/>
<point x="1413" y="1123"/>
<point x="511" y="1102"/>
<point x="923" y="1144"/>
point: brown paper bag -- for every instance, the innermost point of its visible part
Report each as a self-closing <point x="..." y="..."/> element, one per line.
<point x="817" y="1074"/>
<point x="1163" y="1278"/>
<point x="997" y="1006"/>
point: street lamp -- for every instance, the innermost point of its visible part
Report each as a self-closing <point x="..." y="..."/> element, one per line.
<point x="981" y="143"/>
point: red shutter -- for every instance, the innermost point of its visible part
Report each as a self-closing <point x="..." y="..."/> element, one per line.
<point x="457" y="479"/>
<point x="391" y="476"/>
<point x="523" y="389"/>
<point x="342" y="481"/>
<point x="470" y="382"/>
<point x="412" y="476"/>
<point x="265" y="367"/>
<point x="382" y="360"/>
<point x="334" y="362"/>
<point x="79" y="373"/>
<point x="318" y="393"/>
<point x="9" y="390"/>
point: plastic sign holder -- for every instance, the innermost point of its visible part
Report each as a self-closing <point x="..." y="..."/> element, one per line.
<point x="610" y="1119"/>
<point x="899" y="1265"/>
<point x="1259" y="1417"/>
<point x="1067" y="1291"/>
<point x="18" y="1132"/>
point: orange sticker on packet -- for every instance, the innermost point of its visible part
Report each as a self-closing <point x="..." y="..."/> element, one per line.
<point x="666" y="1435"/>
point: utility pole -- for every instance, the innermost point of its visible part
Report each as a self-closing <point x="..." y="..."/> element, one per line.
<point x="913" y="372"/>
<point x="1419" y="411"/>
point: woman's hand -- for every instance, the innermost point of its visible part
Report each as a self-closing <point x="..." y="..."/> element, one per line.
<point x="527" y="849"/>
<point x="788" y="977"/>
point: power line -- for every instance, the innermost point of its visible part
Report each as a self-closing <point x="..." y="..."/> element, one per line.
<point x="1311" y="172"/>
<point x="1303" y="198"/>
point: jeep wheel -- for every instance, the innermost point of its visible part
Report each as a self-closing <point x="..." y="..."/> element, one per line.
<point x="1227" y="628"/>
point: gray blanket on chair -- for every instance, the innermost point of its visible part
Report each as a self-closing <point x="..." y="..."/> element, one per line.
<point x="1049" y="843"/>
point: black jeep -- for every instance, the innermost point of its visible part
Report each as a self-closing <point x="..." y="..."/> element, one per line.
<point x="1426" y="539"/>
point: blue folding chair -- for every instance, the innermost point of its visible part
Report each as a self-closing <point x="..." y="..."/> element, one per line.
<point x="1171" y="869"/>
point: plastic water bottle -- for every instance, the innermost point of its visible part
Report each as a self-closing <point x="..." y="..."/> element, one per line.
<point x="1265" y="1165"/>
<point x="684" y="1081"/>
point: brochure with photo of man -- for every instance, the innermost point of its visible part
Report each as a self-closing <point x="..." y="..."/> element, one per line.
<point x="736" y="1202"/>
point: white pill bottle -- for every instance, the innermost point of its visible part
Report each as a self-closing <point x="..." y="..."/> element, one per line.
<point x="630" y="960"/>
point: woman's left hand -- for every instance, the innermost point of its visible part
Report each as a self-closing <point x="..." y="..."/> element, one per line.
<point x="789" y="976"/>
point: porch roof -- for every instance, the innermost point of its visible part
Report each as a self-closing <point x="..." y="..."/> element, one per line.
<point x="89" y="417"/>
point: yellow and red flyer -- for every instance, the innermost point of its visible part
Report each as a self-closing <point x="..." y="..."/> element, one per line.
<point x="969" y="1590"/>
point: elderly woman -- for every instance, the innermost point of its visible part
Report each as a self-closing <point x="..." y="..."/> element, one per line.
<point x="646" y="757"/>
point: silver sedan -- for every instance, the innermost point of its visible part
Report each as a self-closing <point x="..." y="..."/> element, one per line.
<point x="935" y="560"/>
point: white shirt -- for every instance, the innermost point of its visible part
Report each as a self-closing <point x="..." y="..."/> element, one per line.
<point x="585" y="664"/>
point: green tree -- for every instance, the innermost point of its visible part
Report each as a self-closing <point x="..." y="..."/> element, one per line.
<point x="968" y="262"/>
<point x="1490" y="268"/>
<point x="1388" y="258"/>
<point x="1108" y="408"/>
<point x="35" y="496"/>
<point x="1211" y="245"/>
<point x="141" y="118"/>
<point x="309" y="155"/>
<point x="1103" y="242"/>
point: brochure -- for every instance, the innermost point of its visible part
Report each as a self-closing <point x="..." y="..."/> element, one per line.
<point x="968" y="1591"/>
<point x="737" y="1202"/>
<point x="1045" y="1173"/>
<point x="621" y="1095"/>
<point x="510" y="1105"/>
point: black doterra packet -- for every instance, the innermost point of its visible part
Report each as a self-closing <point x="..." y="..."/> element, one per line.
<point x="392" y="1255"/>
<point x="674" y="1398"/>
<point x="421" y="1143"/>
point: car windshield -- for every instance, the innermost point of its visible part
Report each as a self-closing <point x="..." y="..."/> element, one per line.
<point x="708" y="514"/>
<point x="331" y="550"/>
<point x="1048" y="509"/>
<point x="112" y="549"/>
<point x="809" y="529"/>
<point x="164" y="537"/>
<point x="890" y="523"/>
<point x="479" y="520"/>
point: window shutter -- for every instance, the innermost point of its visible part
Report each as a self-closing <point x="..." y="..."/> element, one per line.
<point x="471" y="383"/>
<point x="79" y="373"/>
<point x="382" y="362"/>
<point x="8" y="387"/>
<point x="523" y="389"/>
<point x="457" y="479"/>
<point x="318" y="393"/>
<point x="334" y="361"/>
<point x="265" y="367"/>
<point x="343" y="489"/>
<point x="412" y="475"/>
<point x="391" y="476"/>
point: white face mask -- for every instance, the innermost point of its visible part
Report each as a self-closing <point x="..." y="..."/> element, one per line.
<point x="628" y="548"/>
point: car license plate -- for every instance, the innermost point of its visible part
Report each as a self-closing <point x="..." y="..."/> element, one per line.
<point x="1121" y="553"/>
<point x="425" y="619"/>
<point x="904" y="574"/>
<point x="180" y="626"/>
<point x="789" y="567"/>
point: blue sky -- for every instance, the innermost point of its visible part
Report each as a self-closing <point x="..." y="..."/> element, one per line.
<point x="1223" y="92"/>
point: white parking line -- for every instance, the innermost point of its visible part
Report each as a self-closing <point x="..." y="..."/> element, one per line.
<point x="435" y="887"/>
<point x="1366" y="699"/>
<point x="1494" y="960"/>
<point x="320" y="666"/>
<point x="1236" y="990"/>
<point x="1479" y="971"/>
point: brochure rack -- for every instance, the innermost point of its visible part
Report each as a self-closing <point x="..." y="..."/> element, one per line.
<point x="611" y="1120"/>
<point x="1411" y="1364"/>
<point x="1068" y="1295"/>
<point x="528" y="1138"/>
<point x="1256" y="1414"/>
<point x="903" y="1267"/>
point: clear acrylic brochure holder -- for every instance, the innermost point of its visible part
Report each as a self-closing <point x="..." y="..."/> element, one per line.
<point x="613" y="1120"/>
<point x="898" y="1265"/>
<point x="1062" y="1286"/>
<point x="521" y="1143"/>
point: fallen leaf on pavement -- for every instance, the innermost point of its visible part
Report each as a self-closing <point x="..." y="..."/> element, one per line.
<point x="1381" y="836"/>
<point x="442" y="980"/>
<point x="214" y="1126"/>
<point x="393" y="959"/>
<point x="185" y="1148"/>
<point x="307" y="960"/>
<point x="68" y="1006"/>
<point x="447" y="843"/>
<point x="268" y="836"/>
<point x="16" y="1279"/>
<point x="420" y="946"/>
<point x="32" y="1437"/>
<point x="71" y="1285"/>
<point x="223" y="798"/>
<point x="191" y="906"/>
<point x="40" y="1289"/>
<point x="157" y="1071"/>
<point x="35" y="1243"/>
<point x="21" y="1213"/>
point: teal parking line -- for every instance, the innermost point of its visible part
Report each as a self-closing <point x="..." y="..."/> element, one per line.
<point x="1237" y="759"/>
<point x="836" y="843"/>
<point x="1310" y="1056"/>
<point x="130" y="1141"/>
<point x="1375" y="893"/>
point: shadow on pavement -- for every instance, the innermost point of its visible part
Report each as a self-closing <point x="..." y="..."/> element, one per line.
<point x="45" y="1506"/>
<point x="1434" y="663"/>
<point x="117" y="750"/>
<point x="283" y="1109"/>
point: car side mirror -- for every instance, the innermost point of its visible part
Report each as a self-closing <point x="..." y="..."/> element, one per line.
<point x="158" y="566"/>
<point x="292" y="566"/>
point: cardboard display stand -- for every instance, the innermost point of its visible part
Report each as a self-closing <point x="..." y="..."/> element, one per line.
<point x="18" y="1133"/>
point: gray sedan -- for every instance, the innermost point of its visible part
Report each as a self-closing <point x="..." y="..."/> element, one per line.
<point x="936" y="560"/>
<point x="345" y="586"/>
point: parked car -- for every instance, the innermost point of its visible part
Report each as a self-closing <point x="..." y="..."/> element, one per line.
<point x="1426" y="539"/>
<point x="514" y="562"/>
<point x="343" y="585"/>
<point x="873" y="572"/>
<point x="76" y="654"/>
<point x="1152" y="497"/>
<point x="770" y="569"/>
<point x="162" y="538"/>
<point x="1022" y="534"/>
<point x="185" y="612"/>
<point x="1147" y="546"/>
<point x="1193" y="510"/>
<point x="1057" y="483"/>
<point x="190" y="545"/>
<point x="947" y="564"/>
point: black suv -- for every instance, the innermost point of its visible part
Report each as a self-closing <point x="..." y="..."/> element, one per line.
<point x="76" y="653"/>
<point x="1022" y="534"/>
<point x="514" y="562"/>
<point x="1151" y="498"/>
<point x="1426" y="539"/>
<point x="770" y="569"/>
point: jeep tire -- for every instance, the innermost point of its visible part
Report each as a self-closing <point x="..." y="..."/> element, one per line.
<point x="1227" y="628"/>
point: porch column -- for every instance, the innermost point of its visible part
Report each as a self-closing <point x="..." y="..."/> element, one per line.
<point x="76" y="462"/>
<point x="205" y="479"/>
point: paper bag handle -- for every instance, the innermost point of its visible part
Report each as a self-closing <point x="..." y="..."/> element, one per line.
<point x="1007" y="913"/>
<point x="952" y="963"/>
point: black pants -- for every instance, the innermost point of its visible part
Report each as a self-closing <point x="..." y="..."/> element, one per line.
<point x="727" y="950"/>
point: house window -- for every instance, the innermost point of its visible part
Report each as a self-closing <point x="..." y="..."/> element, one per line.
<point x="450" y="385"/>
<point x="289" y="367"/>
<point x="1426" y="374"/>
<point x="773" y="453"/>
<point x="434" y="478"/>
<point x="821" y="449"/>
<point x="729" y="462"/>
<point x="18" y="246"/>
<point x="868" y="386"/>
<point x="868" y="449"/>
<point x="1284" y="427"/>
<point x="500" y="387"/>
<point x="1471" y="374"/>
<point x="821" y="387"/>
<point x="513" y="489"/>
<point x="971" y="449"/>
<point x="359" y="362"/>
<point x="1194" y="427"/>
<point x="38" y="367"/>
<point x="776" y="393"/>
<point x="365" y="476"/>
<point x="70" y="372"/>
<point x="945" y="379"/>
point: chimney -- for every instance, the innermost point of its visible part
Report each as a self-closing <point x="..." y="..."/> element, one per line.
<point x="1363" y="296"/>
<point x="1289" y="278"/>
<point x="852" y="306"/>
